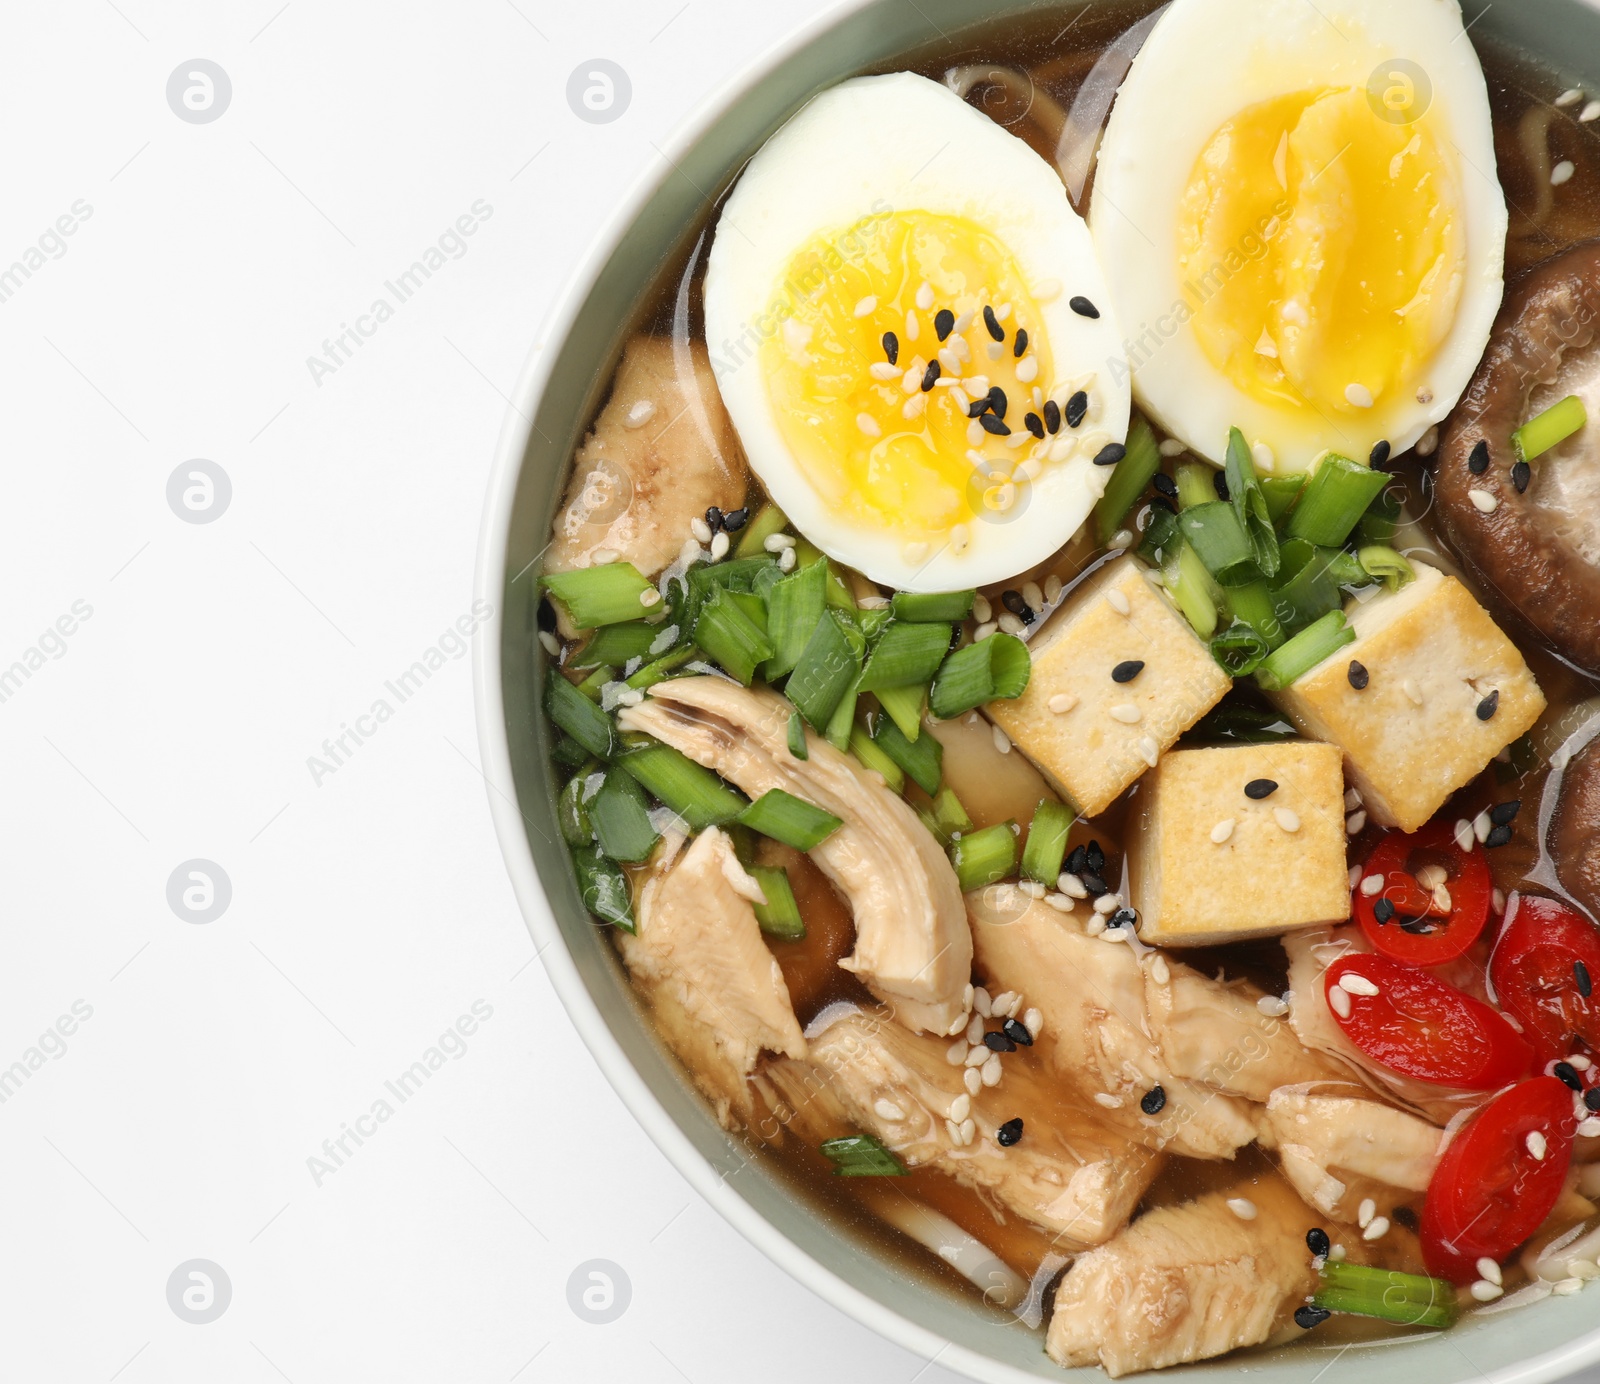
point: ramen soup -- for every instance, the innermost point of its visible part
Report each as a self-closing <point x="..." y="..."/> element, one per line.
<point x="1070" y="647"/>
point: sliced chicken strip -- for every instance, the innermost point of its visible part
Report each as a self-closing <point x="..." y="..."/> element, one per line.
<point x="1068" y="1173"/>
<point x="1114" y="1030"/>
<point x="662" y="451"/>
<point x="716" y="992"/>
<point x="1186" y="1283"/>
<point x="1340" y="1148"/>
<point x="913" y="949"/>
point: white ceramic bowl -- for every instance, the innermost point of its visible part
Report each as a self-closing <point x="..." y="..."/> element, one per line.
<point x="553" y="401"/>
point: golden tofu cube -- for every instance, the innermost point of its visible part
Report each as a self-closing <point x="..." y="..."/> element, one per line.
<point x="1090" y="735"/>
<point x="1417" y="731"/>
<point x="1210" y="862"/>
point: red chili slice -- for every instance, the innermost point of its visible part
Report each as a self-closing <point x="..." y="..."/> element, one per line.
<point x="1544" y="969"/>
<point x="1491" y="1191"/>
<point x="1415" y="930"/>
<point x="1420" y="1027"/>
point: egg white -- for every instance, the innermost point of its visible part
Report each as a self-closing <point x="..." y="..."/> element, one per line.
<point x="1203" y="63"/>
<point x="904" y="143"/>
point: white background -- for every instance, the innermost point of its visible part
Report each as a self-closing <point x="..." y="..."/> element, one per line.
<point x="369" y="910"/>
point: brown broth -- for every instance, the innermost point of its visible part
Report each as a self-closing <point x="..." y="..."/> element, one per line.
<point x="1054" y="50"/>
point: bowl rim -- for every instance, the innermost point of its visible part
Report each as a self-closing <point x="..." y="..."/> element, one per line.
<point x="495" y="752"/>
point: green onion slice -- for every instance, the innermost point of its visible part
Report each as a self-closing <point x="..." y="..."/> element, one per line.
<point x="1280" y="493"/>
<point x="797" y="736"/>
<point x="984" y="857"/>
<point x="603" y="886"/>
<point x="1047" y="842"/>
<point x="794" y="606"/>
<point x="619" y="644"/>
<point x="1250" y="504"/>
<point x="827" y="667"/>
<point x="1384" y="564"/>
<point x="1194" y="589"/>
<point x="1195" y="484"/>
<point x="874" y="756"/>
<point x="1302" y="653"/>
<point x="779" y="916"/>
<point x="572" y="811"/>
<point x="906" y="655"/>
<point x="1161" y="537"/>
<point x="578" y="716"/>
<point x="1129" y="479"/>
<point x="728" y="634"/>
<point x="995" y="668"/>
<point x="860" y="1155"/>
<point x="753" y="540"/>
<point x="921" y="759"/>
<point x="841" y="725"/>
<point x="621" y="819"/>
<point x="1255" y="604"/>
<point x="1335" y="498"/>
<point x="789" y="819"/>
<point x="1406" y="1299"/>
<point x="662" y="668"/>
<point x="677" y="782"/>
<point x="604" y="595"/>
<point x="904" y="705"/>
<point x="931" y="606"/>
<point x="1550" y="428"/>
<point x="1214" y="532"/>
<point x="1239" y="649"/>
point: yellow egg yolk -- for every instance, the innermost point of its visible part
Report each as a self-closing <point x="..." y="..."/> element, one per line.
<point x="887" y="337"/>
<point x="1325" y="247"/>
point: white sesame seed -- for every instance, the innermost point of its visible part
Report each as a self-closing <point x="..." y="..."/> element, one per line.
<point x="1488" y="1269"/>
<point x="1222" y="831"/>
<point x="1046" y="290"/>
<point x="691" y="553"/>
<point x="1033" y="1021"/>
<point x="1463" y="834"/>
<point x="1002" y="741"/>
<point x="1159" y="971"/>
<point x="787" y="560"/>
<point x="1365" y="1212"/>
<point x="1412" y="691"/>
<point x="1171" y="447"/>
<point x="976" y="384"/>
<point x="887" y="1110"/>
<point x="1483" y="501"/>
<point x="1060" y="902"/>
<point x="913" y="327"/>
<point x="1562" y="172"/>
<point x="1033" y="595"/>
<point x="1371" y="885"/>
<point x="911" y="377"/>
<point x="1263" y="456"/>
<point x="1003" y="1001"/>
<point x="1570" y="97"/>
<point x="1094" y="925"/>
<point x="1062" y="703"/>
<point x="1337" y="1254"/>
<point x="1149" y="751"/>
<point x="1428" y="443"/>
<point x="1567" y="1287"/>
<point x="975" y="1024"/>
<point x="1118" y="602"/>
<point x="978" y="1055"/>
<point x="1121" y="539"/>
<point x="1590" y="112"/>
<point x="549" y="643"/>
<point x="650" y="596"/>
<point x="700" y="529"/>
<point x="1012" y="625"/>
<point x="962" y="323"/>
<point x="1432" y="876"/>
<point x="1355" y="824"/>
<point x="777" y="542"/>
<point x="925" y="295"/>
<point x="1354" y="876"/>
<point x="1583" y="1268"/>
<point x="1287" y="818"/>
<point x="1242" y="1207"/>
<point x="1482" y="825"/>
<point x="1127" y="713"/>
<point x="1071" y="886"/>
<point x="867" y="306"/>
<point x="1484" y="1291"/>
<point x="950" y="364"/>
<point x="1052" y="589"/>
<point x="1357" y="984"/>
<point x="954" y="1131"/>
<point x="1538" y="1145"/>
<point x="1107" y="904"/>
<point x="1352" y="799"/>
<point x="1109" y="1101"/>
<point x="1339" y="1001"/>
<point x="602" y="557"/>
<point x="956" y="1053"/>
<point x="1028" y="369"/>
<point x="960" y="1108"/>
<point x="914" y="552"/>
<point x="1358" y="395"/>
<point x="1272" y="1006"/>
<point x="969" y="1131"/>
<point x="983" y="1004"/>
<point x="990" y="1071"/>
<point x="983" y="631"/>
<point x="995" y="349"/>
<point x="882" y="370"/>
<point x="972" y="1081"/>
<point x="639" y="413"/>
<point x="1002" y="311"/>
<point x="1579" y="1063"/>
<point x="629" y="696"/>
<point x="981" y="609"/>
<point x="719" y="547"/>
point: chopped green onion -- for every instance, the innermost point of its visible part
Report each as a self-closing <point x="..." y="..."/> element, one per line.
<point x="618" y="644"/>
<point x="984" y="857"/>
<point x="603" y="595"/>
<point x="1195" y="484"/>
<point x="728" y="635"/>
<point x="789" y="819"/>
<point x="841" y="725"/>
<point x="567" y="753"/>
<point x="949" y="813"/>
<point x="1384" y="564"/>
<point x="797" y="736"/>
<point x="578" y="716"/>
<point x="603" y="887"/>
<point x="996" y="668"/>
<point x="1248" y="725"/>
<point x="794" y="606"/>
<point x="904" y="705"/>
<point x="1280" y="493"/>
<point x="662" y="668"/>
<point x="827" y="667"/>
<point x="622" y="819"/>
<point x="948" y="606"/>
<point x="1194" y="589"/>
<point x="1335" y="498"/>
<point x="1239" y="649"/>
<point x="1250" y="504"/>
<point x="1302" y="653"/>
<point x="1129" y="480"/>
<point x="572" y="812"/>
<point x="1254" y="604"/>
<point x="758" y="530"/>
<point x="1214" y="532"/>
<point x="873" y="756"/>
<point x="743" y="575"/>
<point x="591" y="686"/>
<point x="1382" y="518"/>
<point x="677" y="782"/>
<point x="1309" y="585"/>
<point x="906" y="655"/>
<point x="860" y="1155"/>
<point x="840" y="597"/>
<point x="805" y="552"/>
<point x="1161" y="536"/>
<point x="1047" y="842"/>
<point x="922" y="758"/>
<point x="1550" y="428"/>
<point x="779" y="916"/>
<point x="872" y="623"/>
<point x="1406" y="1299"/>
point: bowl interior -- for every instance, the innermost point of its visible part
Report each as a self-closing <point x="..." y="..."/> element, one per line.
<point x="557" y="397"/>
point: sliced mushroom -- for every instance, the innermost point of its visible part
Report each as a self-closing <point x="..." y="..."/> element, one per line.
<point x="913" y="948"/>
<point x="1575" y="840"/>
<point x="1536" y="552"/>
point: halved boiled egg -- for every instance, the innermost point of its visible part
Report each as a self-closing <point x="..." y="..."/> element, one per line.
<point x="1297" y="208"/>
<point x="913" y="338"/>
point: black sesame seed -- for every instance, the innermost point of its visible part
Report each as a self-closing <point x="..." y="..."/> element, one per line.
<point x="1521" y="474"/>
<point x="1489" y="705"/>
<point x="1478" y="458"/>
<point x="944" y="322"/>
<point x="1317" y="1242"/>
<point x="1379" y="453"/>
<point x="714" y="520"/>
<point x="1219" y="483"/>
<point x="1110" y="454"/>
<point x="891" y="347"/>
<point x="1568" y="1075"/>
<point x="1123" y="917"/>
<point x="547" y="615"/>
<point x="1083" y="307"/>
<point x="930" y="376"/>
<point x="1358" y="675"/>
<point x="991" y="424"/>
<point x="1009" y="1132"/>
<point x="1417" y="927"/>
<point x="998" y="1042"/>
<point x="1078" y="860"/>
<point x="978" y="406"/>
<point x="1308" y="1316"/>
<point x="1404" y="1215"/>
<point x="1502" y="813"/>
<point x="955" y="637"/>
<point x="1591" y="1098"/>
<point x="1021" y="343"/>
<point x="998" y="402"/>
<point x="1034" y="424"/>
<point x="993" y="324"/>
<point x="1096" y="857"/>
<point x="1093" y="883"/>
<point x="1580" y="973"/>
<point x="735" y="519"/>
<point x="1153" y="1101"/>
<point x="1014" y="602"/>
<point x="1077" y="406"/>
<point x="1498" y="836"/>
<point x="1127" y="670"/>
<point x="1017" y="1032"/>
<point x="1166" y="485"/>
<point x="1162" y="502"/>
<point x="1383" y="910"/>
<point x="1052" y="415"/>
<point x="1257" y="789"/>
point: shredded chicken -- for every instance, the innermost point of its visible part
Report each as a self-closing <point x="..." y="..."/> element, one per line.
<point x="662" y="451"/>
<point x="1186" y="1283"/>
<point x="913" y="949"/>
<point x="717" y="994"/>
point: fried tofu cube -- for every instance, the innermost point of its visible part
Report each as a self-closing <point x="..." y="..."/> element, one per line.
<point x="1090" y="735"/>
<point x="1445" y="691"/>
<point x="1240" y="841"/>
